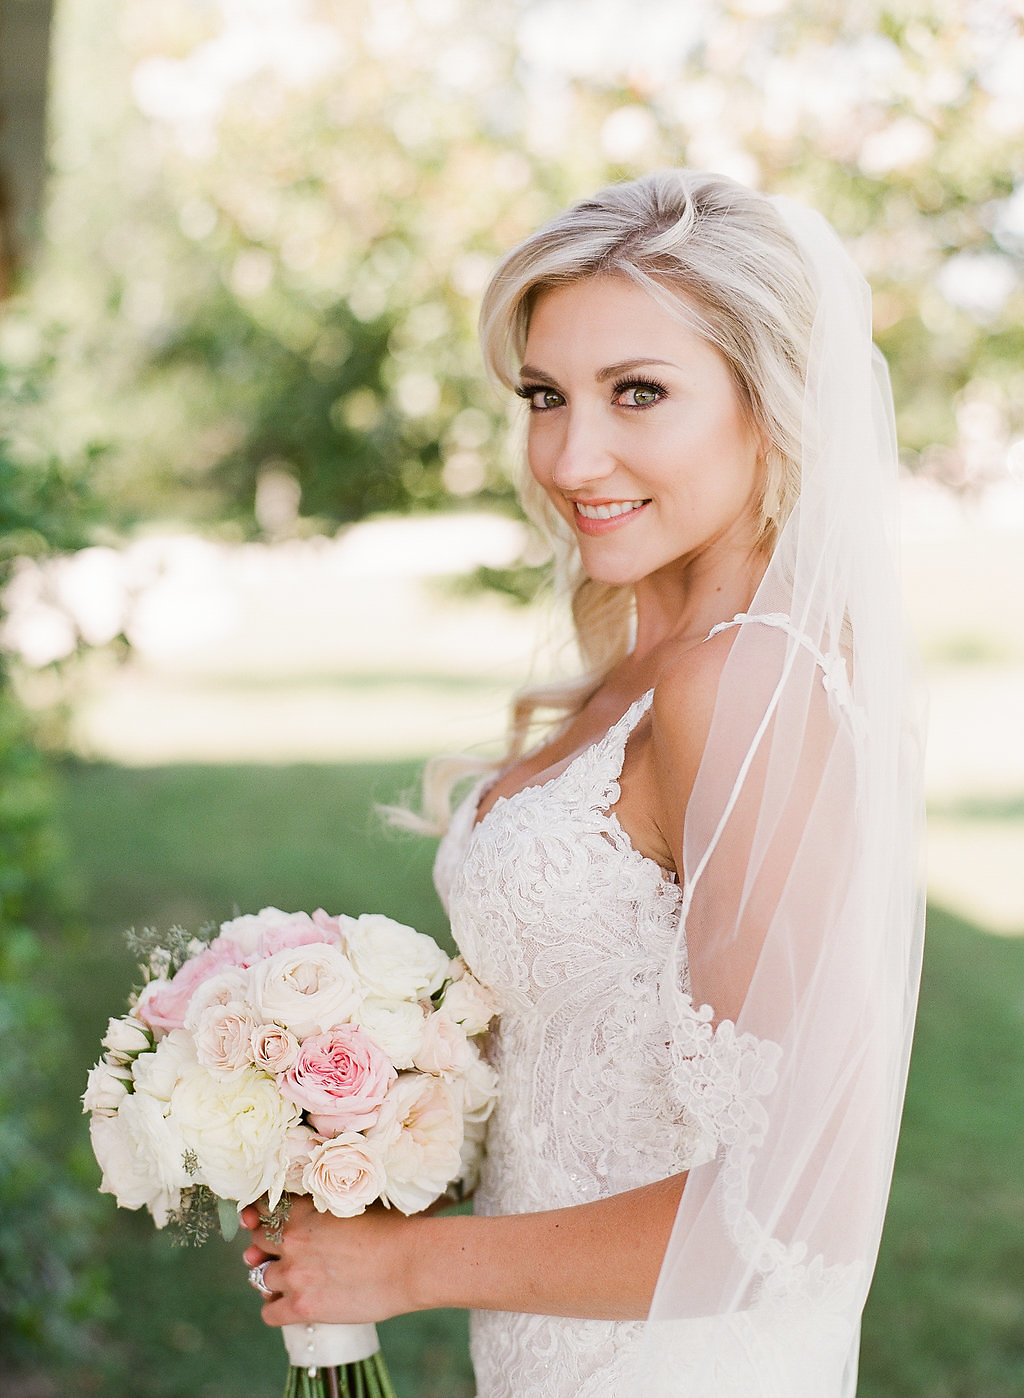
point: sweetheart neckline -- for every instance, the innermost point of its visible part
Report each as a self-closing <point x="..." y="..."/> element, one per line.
<point x="668" y="878"/>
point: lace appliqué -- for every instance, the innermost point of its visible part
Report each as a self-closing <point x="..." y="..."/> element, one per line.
<point x="722" y="1075"/>
<point x="570" y="927"/>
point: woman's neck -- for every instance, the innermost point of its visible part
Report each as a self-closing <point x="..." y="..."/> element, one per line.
<point x="681" y="605"/>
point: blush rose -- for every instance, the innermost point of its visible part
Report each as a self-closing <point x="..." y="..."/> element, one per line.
<point x="340" y="1078"/>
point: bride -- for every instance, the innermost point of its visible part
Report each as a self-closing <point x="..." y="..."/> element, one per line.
<point x="696" y="902"/>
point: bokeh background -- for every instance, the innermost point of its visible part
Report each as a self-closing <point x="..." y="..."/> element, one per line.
<point x="260" y="553"/>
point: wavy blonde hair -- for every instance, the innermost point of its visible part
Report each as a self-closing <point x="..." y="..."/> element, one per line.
<point x="719" y="256"/>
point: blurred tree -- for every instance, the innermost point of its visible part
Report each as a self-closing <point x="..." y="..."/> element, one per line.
<point x="48" y="1288"/>
<point x="270" y="223"/>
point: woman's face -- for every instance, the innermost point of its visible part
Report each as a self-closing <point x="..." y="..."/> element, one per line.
<point x="637" y="432"/>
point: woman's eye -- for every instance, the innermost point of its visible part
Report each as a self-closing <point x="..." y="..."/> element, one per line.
<point x="541" y="398"/>
<point x="639" y="395"/>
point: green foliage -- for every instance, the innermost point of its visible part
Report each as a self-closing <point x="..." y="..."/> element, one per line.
<point x="261" y="277"/>
<point x="48" y="1287"/>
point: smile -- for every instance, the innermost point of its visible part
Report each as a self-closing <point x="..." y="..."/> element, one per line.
<point x="611" y="511"/>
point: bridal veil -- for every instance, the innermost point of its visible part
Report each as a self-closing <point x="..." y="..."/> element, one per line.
<point x="802" y="915"/>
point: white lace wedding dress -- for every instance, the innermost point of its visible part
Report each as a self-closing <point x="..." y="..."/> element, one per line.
<point x="568" y="925"/>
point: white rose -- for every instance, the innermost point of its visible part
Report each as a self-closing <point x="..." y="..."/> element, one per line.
<point x="125" y="1037"/>
<point x="299" y="1143"/>
<point x="393" y="960"/>
<point x="223" y="1038"/>
<point x="307" y="989"/>
<point x="141" y="1156"/>
<point x="395" y="1026"/>
<point x="230" y="986"/>
<point x="445" y="1048"/>
<point x="106" y="1088"/>
<point x="469" y="1004"/>
<point x="420" y="1132"/>
<point x="237" y="1129"/>
<point x="274" y="1049"/>
<point x="471" y="1155"/>
<point x="158" y="1073"/>
<point x="344" y="1175"/>
<point x="478" y="1090"/>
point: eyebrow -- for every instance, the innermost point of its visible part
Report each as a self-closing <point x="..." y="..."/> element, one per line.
<point x="529" y="371"/>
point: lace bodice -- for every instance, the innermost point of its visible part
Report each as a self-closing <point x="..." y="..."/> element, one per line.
<point x="569" y="926"/>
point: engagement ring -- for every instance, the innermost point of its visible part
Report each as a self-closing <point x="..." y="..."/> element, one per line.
<point x="258" y="1278"/>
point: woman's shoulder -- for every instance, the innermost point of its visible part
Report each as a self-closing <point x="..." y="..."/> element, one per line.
<point x="686" y="689"/>
<point x="681" y="714"/>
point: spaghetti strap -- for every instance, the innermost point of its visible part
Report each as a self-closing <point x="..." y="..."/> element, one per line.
<point x="835" y="677"/>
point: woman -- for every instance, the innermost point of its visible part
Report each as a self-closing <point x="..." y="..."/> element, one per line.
<point x="696" y="903"/>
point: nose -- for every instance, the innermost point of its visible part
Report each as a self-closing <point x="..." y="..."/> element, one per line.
<point x="581" y="455"/>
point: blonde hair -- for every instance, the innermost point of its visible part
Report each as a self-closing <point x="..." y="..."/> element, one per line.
<point x="714" y="253"/>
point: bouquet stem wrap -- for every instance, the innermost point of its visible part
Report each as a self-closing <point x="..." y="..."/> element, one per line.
<point x="327" y="1346"/>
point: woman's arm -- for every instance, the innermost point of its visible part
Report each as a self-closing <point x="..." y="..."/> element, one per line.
<point x="598" y="1260"/>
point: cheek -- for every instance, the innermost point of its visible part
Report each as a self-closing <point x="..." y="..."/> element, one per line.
<point x="540" y="458"/>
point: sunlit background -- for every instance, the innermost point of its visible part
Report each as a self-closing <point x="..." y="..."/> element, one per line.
<point x="261" y="553"/>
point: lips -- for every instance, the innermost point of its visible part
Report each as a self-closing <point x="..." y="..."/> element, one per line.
<point x="598" y="518"/>
<point x="611" y="510"/>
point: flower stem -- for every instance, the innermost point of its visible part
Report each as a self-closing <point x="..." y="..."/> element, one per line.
<point x="367" y="1378"/>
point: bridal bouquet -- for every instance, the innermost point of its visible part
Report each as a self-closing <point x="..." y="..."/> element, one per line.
<point x="294" y="1054"/>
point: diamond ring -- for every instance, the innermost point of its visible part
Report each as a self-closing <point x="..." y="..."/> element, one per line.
<point x="258" y="1278"/>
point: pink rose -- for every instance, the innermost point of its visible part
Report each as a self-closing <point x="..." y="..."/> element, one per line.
<point x="166" y="1008"/>
<point x="340" y="1078"/>
<point x="301" y="930"/>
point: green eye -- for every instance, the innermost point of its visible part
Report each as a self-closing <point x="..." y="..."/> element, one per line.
<point x="539" y="398"/>
<point x="638" y="393"/>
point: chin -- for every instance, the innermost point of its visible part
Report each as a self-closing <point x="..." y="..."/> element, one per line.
<point x="614" y="577"/>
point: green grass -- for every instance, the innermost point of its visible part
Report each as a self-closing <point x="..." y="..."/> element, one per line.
<point x="155" y="846"/>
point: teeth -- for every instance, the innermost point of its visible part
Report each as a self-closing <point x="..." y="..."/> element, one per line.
<point x="621" y="507"/>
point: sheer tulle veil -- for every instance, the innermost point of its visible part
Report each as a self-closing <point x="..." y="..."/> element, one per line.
<point x="802" y="918"/>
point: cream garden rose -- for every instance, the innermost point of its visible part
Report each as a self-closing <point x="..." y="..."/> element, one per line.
<point x="419" y="1132"/>
<point x="444" y="1048"/>
<point x="230" y="986"/>
<point x="237" y="1130"/>
<point x="469" y="1004"/>
<point x="223" y="1038"/>
<point x="274" y="1049"/>
<point x="393" y="960"/>
<point x="395" y="1026"/>
<point x="307" y="989"/>
<point x="345" y="1175"/>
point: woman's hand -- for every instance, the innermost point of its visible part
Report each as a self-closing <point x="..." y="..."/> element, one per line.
<point x="596" y="1260"/>
<point x="335" y="1269"/>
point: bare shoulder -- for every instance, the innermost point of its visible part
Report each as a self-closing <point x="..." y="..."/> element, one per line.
<point x="685" y="693"/>
<point x="681" y="713"/>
